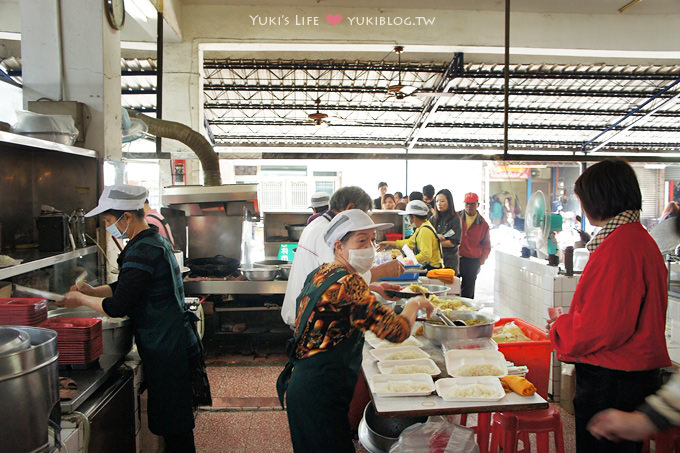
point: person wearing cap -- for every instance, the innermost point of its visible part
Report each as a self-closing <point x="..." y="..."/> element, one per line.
<point x="312" y="251"/>
<point x="336" y="308"/>
<point x="150" y="291"/>
<point x="424" y="241"/>
<point x="154" y="217"/>
<point x="319" y="205"/>
<point x="475" y="244"/>
<point x="382" y="188"/>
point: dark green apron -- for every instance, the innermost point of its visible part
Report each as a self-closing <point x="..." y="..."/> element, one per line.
<point x="162" y="340"/>
<point x="319" y="388"/>
<point x="429" y="266"/>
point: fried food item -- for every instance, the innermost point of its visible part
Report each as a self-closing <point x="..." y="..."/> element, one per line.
<point x="519" y="385"/>
<point x="417" y="289"/>
<point x="449" y="304"/>
<point x="420" y="331"/>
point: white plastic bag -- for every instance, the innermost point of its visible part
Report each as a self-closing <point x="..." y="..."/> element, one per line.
<point x="55" y="128"/>
<point x="438" y="435"/>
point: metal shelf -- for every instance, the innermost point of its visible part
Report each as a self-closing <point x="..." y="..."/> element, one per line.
<point x="234" y="287"/>
<point x="7" y="138"/>
<point x="45" y="261"/>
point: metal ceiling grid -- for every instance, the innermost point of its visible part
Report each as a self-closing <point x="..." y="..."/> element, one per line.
<point x="256" y="102"/>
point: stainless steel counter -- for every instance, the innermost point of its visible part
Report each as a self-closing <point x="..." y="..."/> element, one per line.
<point x="219" y="286"/>
<point x="89" y="381"/>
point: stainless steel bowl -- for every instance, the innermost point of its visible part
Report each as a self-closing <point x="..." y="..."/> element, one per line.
<point x="284" y="273"/>
<point x="261" y="273"/>
<point x="294" y="231"/>
<point x="437" y="290"/>
<point x="383" y="432"/>
<point x="439" y="334"/>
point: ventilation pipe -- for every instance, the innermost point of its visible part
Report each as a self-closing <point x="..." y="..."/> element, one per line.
<point x="197" y="142"/>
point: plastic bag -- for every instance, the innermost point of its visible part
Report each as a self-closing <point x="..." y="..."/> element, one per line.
<point x="438" y="435"/>
<point x="509" y="333"/>
<point x="55" y="128"/>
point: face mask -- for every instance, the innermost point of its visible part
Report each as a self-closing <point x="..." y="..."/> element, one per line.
<point x="114" y="231"/>
<point x="361" y="259"/>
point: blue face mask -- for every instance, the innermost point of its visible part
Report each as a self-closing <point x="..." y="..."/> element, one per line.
<point x="113" y="230"/>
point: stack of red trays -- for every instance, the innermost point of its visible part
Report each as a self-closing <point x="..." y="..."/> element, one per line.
<point x="79" y="340"/>
<point x="22" y="312"/>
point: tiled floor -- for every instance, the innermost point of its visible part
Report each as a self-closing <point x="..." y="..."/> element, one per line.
<point x="246" y="415"/>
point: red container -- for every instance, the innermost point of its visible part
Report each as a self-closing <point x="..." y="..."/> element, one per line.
<point x="22" y="311"/>
<point x="392" y="236"/>
<point x="534" y="354"/>
<point x="70" y="329"/>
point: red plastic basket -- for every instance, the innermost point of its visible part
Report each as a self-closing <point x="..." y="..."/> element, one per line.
<point x="534" y="354"/>
<point x="392" y="236"/>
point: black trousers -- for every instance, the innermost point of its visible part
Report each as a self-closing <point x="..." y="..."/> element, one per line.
<point x="469" y="268"/>
<point x="180" y="443"/>
<point x="600" y="388"/>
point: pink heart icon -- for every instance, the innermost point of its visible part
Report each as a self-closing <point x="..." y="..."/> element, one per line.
<point x="334" y="19"/>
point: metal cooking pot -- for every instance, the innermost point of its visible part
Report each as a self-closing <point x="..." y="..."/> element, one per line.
<point x="383" y="432"/>
<point x="284" y="273"/>
<point x="29" y="391"/>
<point x="216" y="266"/>
<point x="262" y="273"/>
<point x="439" y="334"/>
<point x="294" y="232"/>
<point x="13" y="340"/>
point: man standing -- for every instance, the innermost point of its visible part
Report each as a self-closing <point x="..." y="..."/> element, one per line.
<point x="319" y="205"/>
<point x="475" y="244"/>
<point x="382" y="188"/>
<point x="154" y="217"/>
<point x="312" y="251"/>
<point x="428" y="195"/>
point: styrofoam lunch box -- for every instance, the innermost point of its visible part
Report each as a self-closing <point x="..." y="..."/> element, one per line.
<point x="399" y="353"/>
<point x="493" y="383"/>
<point x="457" y="360"/>
<point x="379" y="384"/>
<point x="376" y="342"/>
<point x="392" y="366"/>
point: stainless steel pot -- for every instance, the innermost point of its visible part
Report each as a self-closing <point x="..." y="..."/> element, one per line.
<point x="29" y="391"/>
<point x="439" y="334"/>
<point x="383" y="432"/>
<point x="13" y="340"/>
<point x="262" y="273"/>
<point x="294" y="231"/>
<point x="284" y="273"/>
<point x="116" y="332"/>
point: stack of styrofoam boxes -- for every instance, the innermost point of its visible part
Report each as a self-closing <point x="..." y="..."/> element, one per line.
<point x="526" y="288"/>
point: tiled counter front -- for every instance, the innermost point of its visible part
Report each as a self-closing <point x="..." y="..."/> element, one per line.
<point x="525" y="288"/>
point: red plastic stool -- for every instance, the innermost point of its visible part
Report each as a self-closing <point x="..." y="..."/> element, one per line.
<point x="507" y="427"/>
<point x="483" y="429"/>
<point x="666" y="441"/>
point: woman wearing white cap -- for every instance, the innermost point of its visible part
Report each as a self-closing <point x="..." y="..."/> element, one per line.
<point x="425" y="241"/>
<point x="150" y="291"/>
<point x="335" y="308"/>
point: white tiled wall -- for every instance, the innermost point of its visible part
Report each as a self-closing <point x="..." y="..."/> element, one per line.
<point x="526" y="288"/>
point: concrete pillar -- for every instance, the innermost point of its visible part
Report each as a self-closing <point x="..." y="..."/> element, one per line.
<point x="84" y="65"/>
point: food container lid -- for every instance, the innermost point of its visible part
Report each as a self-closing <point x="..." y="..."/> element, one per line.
<point x="462" y="363"/>
<point x="470" y="343"/>
<point x="13" y="340"/>
<point x="389" y="384"/>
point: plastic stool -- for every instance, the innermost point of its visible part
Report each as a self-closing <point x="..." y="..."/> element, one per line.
<point x="666" y="441"/>
<point x="483" y="429"/>
<point x="507" y="427"/>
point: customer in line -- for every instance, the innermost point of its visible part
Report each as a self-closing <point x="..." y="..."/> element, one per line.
<point x="424" y="241"/>
<point x="475" y="244"/>
<point x="446" y="222"/>
<point x="336" y="307"/>
<point x="415" y="195"/>
<point x="150" y="291"/>
<point x="312" y="251"/>
<point x="382" y="188"/>
<point x="319" y="205"/>
<point x="614" y="330"/>
<point x="428" y="195"/>
<point x="388" y="202"/>
<point x="398" y="197"/>
<point x="154" y="217"/>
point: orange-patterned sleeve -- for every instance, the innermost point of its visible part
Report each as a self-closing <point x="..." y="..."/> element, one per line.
<point x="368" y="314"/>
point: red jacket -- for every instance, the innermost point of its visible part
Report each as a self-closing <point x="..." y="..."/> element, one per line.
<point x="475" y="242"/>
<point x="617" y="317"/>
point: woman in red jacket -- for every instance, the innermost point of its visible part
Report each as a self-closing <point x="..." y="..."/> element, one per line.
<point x="614" y="331"/>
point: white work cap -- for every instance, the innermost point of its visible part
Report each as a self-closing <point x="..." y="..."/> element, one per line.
<point x="416" y="207"/>
<point x="320" y="199"/>
<point x="350" y="221"/>
<point x="121" y="197"/>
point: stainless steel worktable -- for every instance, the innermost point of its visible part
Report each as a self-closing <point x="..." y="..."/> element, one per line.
<point x="89" y="380"/>
<point x="221" y="286"/>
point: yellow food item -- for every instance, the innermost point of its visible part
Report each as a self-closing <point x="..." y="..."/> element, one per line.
<point x="417" y="289"/>
<point x="519" y="385"/>
<point x="449" y="304"/>
<point x="445" y="275"/>
<point x="420" y="331"/>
